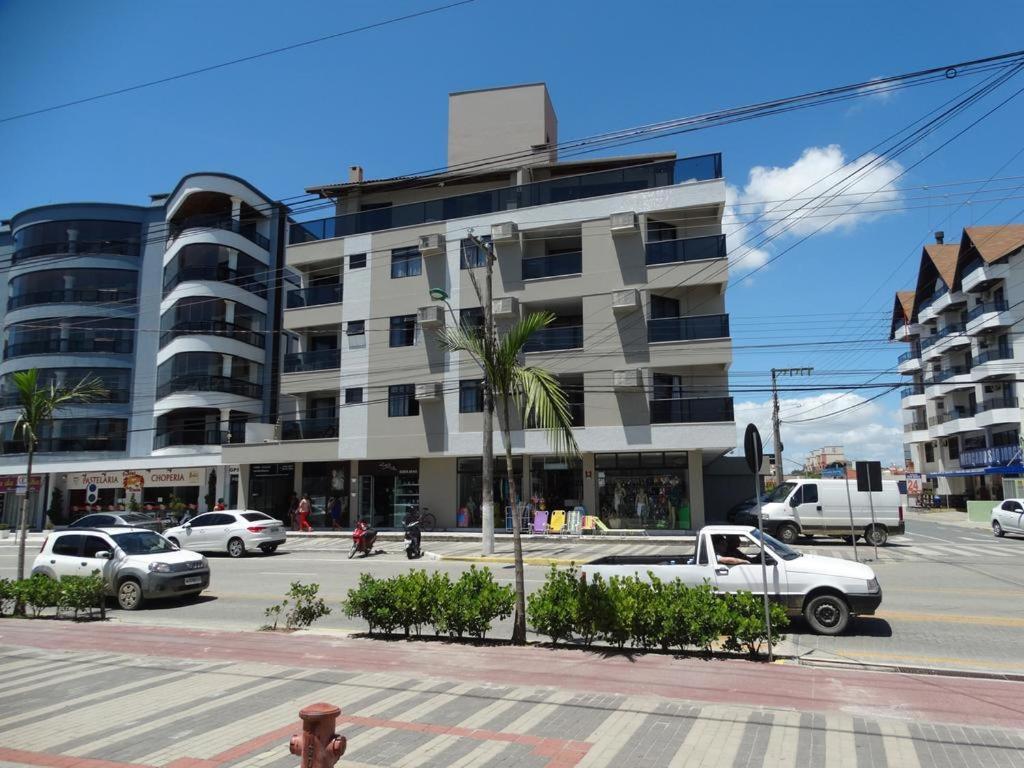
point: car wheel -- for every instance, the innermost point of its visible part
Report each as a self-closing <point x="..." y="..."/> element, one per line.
<point x="268" y="549"/>
<point x="997" y="529"/>
<point x="876" y="535"/>
<point x="129" y="595"/>
<point x="236" y="548"/>
<point x="827" y="614"/>
<point x="787" y="533"/>
<point x="175" y="542"/>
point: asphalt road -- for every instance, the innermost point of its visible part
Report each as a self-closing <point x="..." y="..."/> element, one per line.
<point x="954" y="599"/>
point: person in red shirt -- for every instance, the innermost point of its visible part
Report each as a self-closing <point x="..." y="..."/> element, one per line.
<point x="304" y="510"/>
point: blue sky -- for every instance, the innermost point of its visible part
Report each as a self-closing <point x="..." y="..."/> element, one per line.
<point x="378" y="99"/>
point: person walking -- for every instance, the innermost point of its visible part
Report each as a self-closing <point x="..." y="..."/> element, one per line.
<point x="293" y="512"/>
<point x="334" y="508"/>
<point x="304" y="510"/>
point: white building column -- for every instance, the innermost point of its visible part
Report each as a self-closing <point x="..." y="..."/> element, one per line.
<point x="236" y="208"/>
<point x="243" y="486"/>
<point x="225" y="424"/>
<point x="695" y="466"/>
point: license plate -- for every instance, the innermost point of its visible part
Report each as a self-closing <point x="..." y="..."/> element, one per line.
<point x="190" y="580"/>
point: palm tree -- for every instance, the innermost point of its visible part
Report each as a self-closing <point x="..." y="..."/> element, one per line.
<point x="38" y="404"/>
<point x="532" y="393"/>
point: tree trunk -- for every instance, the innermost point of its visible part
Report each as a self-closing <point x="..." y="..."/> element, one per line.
<point x="23" y="519"/>
<point x="519" y="618"/>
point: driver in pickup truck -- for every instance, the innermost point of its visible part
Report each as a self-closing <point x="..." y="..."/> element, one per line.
<point x="727" y="549"/>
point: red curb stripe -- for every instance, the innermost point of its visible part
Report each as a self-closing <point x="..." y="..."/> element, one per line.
<point x="258" y="742"/>
<point x="60" y="761"/>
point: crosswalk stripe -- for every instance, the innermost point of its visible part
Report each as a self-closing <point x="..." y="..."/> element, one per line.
<point x="899" y="749"/>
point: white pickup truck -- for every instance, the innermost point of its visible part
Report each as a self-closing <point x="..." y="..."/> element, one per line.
<point x="826" y="591"/>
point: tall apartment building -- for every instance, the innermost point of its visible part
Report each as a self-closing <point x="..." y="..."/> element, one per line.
<point x="961" y="412"/>
<point x="627" y="252"/>
<point x="175" y="306"/>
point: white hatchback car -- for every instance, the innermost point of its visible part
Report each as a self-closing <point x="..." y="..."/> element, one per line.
<point x="136" y="564"/>
<point x="1008" y="517"/>
<point x="231" y="531"/>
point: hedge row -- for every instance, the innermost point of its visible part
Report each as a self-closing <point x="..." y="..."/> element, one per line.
<point x="71" y="595"/>
<point x="414" y="600"/>
<point x="650" y="614"/>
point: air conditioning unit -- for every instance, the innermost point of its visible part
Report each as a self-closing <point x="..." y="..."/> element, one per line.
<point x="431" y="245"/>
<point x="626" y="300"/>
<point x="503" y="232"/>
<point x="630" y="378"/>
<point x="623" y="223"/>
<point x="506" y="306"/>
<point x="429" y="391"/>
<point x="430" y="315"/>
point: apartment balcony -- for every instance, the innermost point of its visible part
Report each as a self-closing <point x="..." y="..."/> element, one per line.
<point x="214" y="328"/>
<point x="929" y="350"/>
<point x="906" y="332"/>
<point x="219" y="273"/>
<point x="73" y="444"/>
<point x="691" y="410"/>
<point x="915" y="432"/>
<point x="688" y="249"/>
<point x="555" y="265"/>
<point x="319" y="428"/>
<point x="73" y="346"/>
<point x="558" y="190"/>
<point x="111" y="395"/>
<point x="912" y="396"/>
<point x="909" y="362"/>
<point x="201" y="382"/>
<point x="111" y="296"/>
<point x="1001" y="410"/>
<point x="315" y="296"/>
<point x="989" y="316"/>
<point x="996" y="456"/>
<point x="691" y="328"/>
<point x="951" y="379"/>
<point x="555" y="339"/>
<point x="979" y="276"/>
<point x="992" y="363"/>
<point x="948" y="337"/>
<point x="928" y="311"/>
<point x="248" y="230"/>
<point x="317" y="360"/>
<point x="960" y="419"/>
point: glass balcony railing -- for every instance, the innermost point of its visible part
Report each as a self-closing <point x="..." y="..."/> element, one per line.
<point x="554" y="339"/>
<point x="78" y="248"/>
<point x="959" y="412"/>
<point x="85" y="296"/>
<point x="687" y="410"/>
<point x="915" y="425"/>
<point x="993" y="354"/>
<point x="558" y="190"/>
<point x="315" y="295"/>
<point x="914" y="389"/>
<point x="219" y="274"/>
<point x="687" y="328"/>
<point x="1008" y="401"/>
<point x="939" y="293"/>
<point x="60" y="346"/>
<point x="555" y="265"/>
<point x="976" y="263"/>
<point x="214" y="328"/>
<point x="318" y="360"/>
<point x="911" y="355"/>
<point x="988" y="306"/>
<point x="69" y="444"/>
<point x="201" y="382"/>
<point x="688" y="249"/>
<point x="177" y="437"/>
<point x="247" y="230"/>
<point x="317" y="428"/>
<point x="13" y="399"/>
<point x="947" y="373"/>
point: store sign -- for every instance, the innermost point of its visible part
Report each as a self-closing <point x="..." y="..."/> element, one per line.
<point x="12" y="483"/>
<point x="134" y="480"/>
<point x="271" y="470"/>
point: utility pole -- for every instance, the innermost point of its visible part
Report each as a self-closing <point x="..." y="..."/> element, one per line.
<point x="780" y="472"/>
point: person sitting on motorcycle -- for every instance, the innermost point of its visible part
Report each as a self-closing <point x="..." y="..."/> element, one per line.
<point x="412" y="525"/>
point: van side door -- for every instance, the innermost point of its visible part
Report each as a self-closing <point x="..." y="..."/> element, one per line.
<point x="808" y="510"/>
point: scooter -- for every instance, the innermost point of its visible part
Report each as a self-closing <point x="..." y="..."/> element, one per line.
<point x="362" y="540"/>
<point x="412" y="535"/>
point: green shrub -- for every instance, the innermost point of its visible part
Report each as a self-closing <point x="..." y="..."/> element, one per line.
<point x="703" y="615"/>
<point x="745" y="628"/>
<point x="301" y="607"/>
<point x="83" y="594"/>
<point x="416" y="596"/>
<point x="38" y="593"/>
<point x="591" y="609"/>
<point x="373" y="601"/>
<point x="470" y="604"/>
<point x="616" y="620"/>
<point x="6" y="596"/>
<point x="554" y="609"/>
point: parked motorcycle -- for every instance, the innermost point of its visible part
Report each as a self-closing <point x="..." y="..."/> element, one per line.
<point x="413" y="533"/>
<point x="362" y="539"/>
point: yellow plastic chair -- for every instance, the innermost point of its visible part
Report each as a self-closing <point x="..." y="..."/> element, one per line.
<point x="557" y="524"/>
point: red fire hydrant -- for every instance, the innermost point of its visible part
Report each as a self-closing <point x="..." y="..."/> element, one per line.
<point x="318" y="744"/>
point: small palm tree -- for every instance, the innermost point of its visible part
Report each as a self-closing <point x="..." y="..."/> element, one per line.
<point x="532" y="393"/>
<point x="38" y="404"/>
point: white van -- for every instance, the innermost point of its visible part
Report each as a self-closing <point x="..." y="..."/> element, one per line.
<point x="811" y="507"/>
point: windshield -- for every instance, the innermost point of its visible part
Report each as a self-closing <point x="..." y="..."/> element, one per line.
<point x="784" y="551"/>
<point x="143" y="543"/>
<point x="780" y="493"/>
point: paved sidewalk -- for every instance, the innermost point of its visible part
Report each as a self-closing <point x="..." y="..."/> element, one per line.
<point x="103" y="696"/>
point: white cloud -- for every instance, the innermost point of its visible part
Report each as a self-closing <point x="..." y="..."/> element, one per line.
<point x="817" y="192"/>
<point x="867" y="431"/>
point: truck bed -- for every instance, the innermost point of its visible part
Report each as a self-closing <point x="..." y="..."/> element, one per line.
<point x="679" y="558"/>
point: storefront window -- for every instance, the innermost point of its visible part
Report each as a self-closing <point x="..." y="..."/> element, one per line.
<point x="470" y="472"/>
<point x="326" y="481"/>
<point x="555" y="483"/>
<point x="647" y="490"/>
<point x="385" y="490"/>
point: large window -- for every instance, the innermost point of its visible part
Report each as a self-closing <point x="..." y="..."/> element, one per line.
<point x="402" y="331"/>
<point x="116" y="382"/>
<point x="203" y="261"/>
<point x="402" y="400"/>
<point x="202" y="315"/>
<point x="406" y="262"/>
<point x="58" y="335"/>
<point x="473" y="255"/>
<point x="209" y="372"/>
<point x="70" y="435"/>
<point x="78" y="236"/>
<point x="74" y="286"/>
<point x="471" y="396"/>
<point x="643" y="490"/>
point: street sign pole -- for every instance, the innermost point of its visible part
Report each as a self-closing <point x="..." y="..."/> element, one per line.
<point x="754" y="453"/>
<point x="849" y="504"/>
<point x="871" y="501"/>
